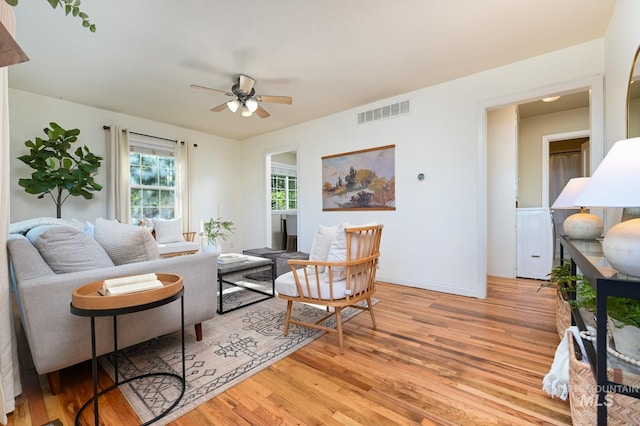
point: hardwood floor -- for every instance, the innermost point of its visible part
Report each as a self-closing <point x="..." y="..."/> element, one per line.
<point x="434" y="359"/>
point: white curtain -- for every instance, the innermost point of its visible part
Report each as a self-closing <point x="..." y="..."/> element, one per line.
<point x="562" y="167"/>
<point x="118" y="182"/>
<point x="183" y="185"/>
<point x="9" y="368"/>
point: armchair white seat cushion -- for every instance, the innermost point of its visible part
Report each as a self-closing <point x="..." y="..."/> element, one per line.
<point x="286" y="285"/>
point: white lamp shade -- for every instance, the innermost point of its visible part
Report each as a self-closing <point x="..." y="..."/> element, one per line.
<point x="233" y="105"/>
<point x="615" y="181"/>
<point x="246" y="112"/>
<point x="567" y="198"/>
<point x="252" y="105"/>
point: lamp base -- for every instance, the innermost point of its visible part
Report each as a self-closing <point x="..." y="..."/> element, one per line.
<point x="621" y="247"/>
<point x="583" y="226"/>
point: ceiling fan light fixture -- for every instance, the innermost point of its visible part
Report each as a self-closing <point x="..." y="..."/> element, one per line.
<point x="252" y="105"/>
<point x="246" y="112"/>
<point x="233" y="105"/>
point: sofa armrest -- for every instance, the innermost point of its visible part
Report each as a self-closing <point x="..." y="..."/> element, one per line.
<point x="20" y="248"/>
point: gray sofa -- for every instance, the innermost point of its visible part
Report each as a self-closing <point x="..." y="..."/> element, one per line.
<point x="58" y="339"/>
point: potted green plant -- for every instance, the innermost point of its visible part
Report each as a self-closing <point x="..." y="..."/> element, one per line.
<point x="623" y="319"/>
<point x="213" y="230"/>
<point x="59" y="172"/>
<point x="565" y="283"/>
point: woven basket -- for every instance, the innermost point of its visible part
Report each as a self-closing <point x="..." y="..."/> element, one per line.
<point x="563" y="315"/>
<point x="621" y="409"/>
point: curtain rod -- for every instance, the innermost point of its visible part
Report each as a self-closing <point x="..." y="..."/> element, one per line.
<point x="142" y="134"/>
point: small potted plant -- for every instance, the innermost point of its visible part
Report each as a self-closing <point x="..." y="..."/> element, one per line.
<point x="213" y="230"/>
<point x="565" y="283"/>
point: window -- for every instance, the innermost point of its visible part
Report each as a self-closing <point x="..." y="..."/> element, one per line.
<point x="153" y="181"/>
<point x="284" y="187"/>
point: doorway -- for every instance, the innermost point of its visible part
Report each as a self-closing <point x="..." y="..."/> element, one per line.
<point x="593" y="85"/>
<point x="281" y="209"/>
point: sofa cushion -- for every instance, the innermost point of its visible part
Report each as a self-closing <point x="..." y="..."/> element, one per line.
<point x="125" y="243"/>
<point x="68" y="249"/>
<point x="168" y="230"/>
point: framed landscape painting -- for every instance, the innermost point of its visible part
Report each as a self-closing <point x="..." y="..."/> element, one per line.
<point x="359" y="180"/>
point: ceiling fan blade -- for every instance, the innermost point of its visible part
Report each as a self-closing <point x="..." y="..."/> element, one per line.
<point x="246" y="83"/>
<point x="195" y="86"/>
<point x="219" y="108"/>
<point x="275" y="99"/>
<point x="262" y="113"/>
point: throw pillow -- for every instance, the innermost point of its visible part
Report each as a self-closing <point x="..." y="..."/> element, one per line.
<point x="68" y="249"/>
<point x="321" y="243"/>
<point x="338" y="251"/>
<point x="168" y="230"/>
<point x="125" y="243"/>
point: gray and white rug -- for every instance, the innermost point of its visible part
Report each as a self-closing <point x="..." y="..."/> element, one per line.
<point x="234" y="346"/>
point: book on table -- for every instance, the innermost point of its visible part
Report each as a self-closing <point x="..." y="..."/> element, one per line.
<point x="226" y="258"/>
<point x="130" y="284"/>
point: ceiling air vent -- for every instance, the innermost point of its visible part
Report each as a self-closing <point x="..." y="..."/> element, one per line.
<point x="387" y="111"/>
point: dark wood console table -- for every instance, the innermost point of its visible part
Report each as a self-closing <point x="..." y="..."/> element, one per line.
<point x="588" y="260"/>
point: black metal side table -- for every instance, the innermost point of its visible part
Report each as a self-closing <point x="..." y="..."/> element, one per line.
<point x="87" y="302"/>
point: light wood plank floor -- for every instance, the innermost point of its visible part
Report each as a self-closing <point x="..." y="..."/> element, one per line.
<point x="434" y="359"/>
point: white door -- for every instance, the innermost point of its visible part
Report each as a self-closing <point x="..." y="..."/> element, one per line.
<point x="534" y="250"/>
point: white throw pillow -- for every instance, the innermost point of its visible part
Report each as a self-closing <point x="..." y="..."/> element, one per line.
<point x="125" y="243"/>
<point x="321" y="243"/>
<point x="338" y="251"/>
<point x="168" y="230"/>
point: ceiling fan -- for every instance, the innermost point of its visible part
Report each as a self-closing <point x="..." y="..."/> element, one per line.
<point x="246" y="99"/>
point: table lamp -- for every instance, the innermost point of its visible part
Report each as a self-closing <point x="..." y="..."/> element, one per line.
<point x="583" y="225"/>
<point x="616" y="183"/>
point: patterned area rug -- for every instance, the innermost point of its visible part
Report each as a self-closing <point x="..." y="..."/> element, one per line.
<point x="234" y="346"/>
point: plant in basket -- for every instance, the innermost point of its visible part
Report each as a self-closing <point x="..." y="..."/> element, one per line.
<point x="623" y="318"/>
<point x="565" y="283"/>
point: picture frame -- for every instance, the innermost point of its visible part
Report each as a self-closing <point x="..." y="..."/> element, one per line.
<point x="359" y="180"/>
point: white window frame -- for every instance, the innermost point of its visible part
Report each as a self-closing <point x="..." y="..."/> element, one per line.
<point x="287" y="170"/>
<point x="161" y="148"/>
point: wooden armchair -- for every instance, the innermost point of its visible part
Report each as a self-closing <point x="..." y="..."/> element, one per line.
<point x="344" y="280"/>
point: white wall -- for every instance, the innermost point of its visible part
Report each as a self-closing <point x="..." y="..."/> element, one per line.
<point x="432" y="239"/>
<point x="214" y="175"/>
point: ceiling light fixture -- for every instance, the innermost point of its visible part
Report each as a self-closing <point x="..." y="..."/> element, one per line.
<point x="551" y="99"/>
<point x="233" y="105"/>
<point x="252" y="105"/>
<point x="246" y="112"/>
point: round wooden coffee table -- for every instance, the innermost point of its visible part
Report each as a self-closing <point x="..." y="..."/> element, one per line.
<point x="87" y="302"/>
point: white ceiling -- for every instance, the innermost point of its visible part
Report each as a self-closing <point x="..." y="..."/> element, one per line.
<point x="329" y="55"/>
